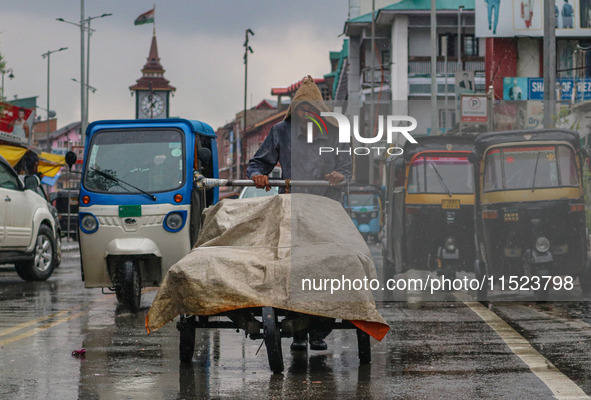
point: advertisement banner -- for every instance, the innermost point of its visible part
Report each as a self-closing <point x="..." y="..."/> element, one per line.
<point x="16" y="124"/>
<point x="515" y="89"/>
<point x="510" y="18"/>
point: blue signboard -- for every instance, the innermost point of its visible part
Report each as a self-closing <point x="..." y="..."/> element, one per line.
<point x="535" y="88"/>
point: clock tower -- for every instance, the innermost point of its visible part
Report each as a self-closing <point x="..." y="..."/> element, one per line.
<point x="152" y="90"/>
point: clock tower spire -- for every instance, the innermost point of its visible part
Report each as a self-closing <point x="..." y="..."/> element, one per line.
<point x="152" y="90"/>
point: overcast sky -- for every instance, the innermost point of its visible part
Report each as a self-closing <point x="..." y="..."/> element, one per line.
<point x="199" y="43"/>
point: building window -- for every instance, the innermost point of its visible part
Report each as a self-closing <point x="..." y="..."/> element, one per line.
<point x="385" y="59"/>
<point x="443" y="117"/>
<point x="452" y="41"/>
<point x="470" y="46"/>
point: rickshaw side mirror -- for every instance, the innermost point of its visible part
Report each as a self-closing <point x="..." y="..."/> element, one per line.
<point x="32" y="182"/>
<point x="204" y="155"/>
<point x="70" y="159"/>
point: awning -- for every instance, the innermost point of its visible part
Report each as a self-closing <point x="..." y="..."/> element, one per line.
<point x="12" y="154"/>
<point x="50" y="164"/>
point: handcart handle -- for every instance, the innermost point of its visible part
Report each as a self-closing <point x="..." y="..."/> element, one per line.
<point x="211" y="183"/>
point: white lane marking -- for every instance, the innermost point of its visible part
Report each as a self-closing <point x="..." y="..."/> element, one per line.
<point x="561" y="386"/>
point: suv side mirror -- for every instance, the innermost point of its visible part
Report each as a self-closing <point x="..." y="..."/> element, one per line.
<point x="32" y="182"/>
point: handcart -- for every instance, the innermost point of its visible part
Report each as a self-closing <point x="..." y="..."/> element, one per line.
<point x="268" y="323"/>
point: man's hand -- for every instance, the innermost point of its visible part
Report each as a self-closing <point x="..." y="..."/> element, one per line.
<point x="261" y="181"/>
<point x="334" y="177"/>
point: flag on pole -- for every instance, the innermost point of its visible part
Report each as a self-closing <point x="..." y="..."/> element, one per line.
<point x="145" y="18"/>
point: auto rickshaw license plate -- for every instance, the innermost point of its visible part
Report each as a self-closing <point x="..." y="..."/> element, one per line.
<point x="450" y="204"/>
<point x="130" y="211"/>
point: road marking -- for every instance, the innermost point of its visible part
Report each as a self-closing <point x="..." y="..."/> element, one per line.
<point x="561" y="386"/>
<point x="18" y="327"/>
<point x="42" y="328"/>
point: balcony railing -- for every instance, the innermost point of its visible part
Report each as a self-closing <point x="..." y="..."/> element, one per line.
<point x="422" y="65"/>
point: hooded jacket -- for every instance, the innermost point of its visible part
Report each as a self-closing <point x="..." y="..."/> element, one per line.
<point x="299" y="159"/>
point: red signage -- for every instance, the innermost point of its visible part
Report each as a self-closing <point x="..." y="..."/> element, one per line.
<point x="16" y="123"/>
<point x="79" y="150"/>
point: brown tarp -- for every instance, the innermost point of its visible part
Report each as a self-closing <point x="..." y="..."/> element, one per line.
<point x="257" y="252"/>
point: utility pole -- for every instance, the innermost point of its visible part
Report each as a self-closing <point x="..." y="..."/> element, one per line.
<point x="549" y="63"/>
<point x="247" y="49"/>
<point x="83" y="116"/>
<point x="434" y="113"/>
<point x="371" y="71"/>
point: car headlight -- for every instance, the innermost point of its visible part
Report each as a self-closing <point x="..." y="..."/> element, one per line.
<point x="88" y="223"/>
<point x="542" y="244"/>
<point x="174" y="222"/>
<point x="450" y="244"/>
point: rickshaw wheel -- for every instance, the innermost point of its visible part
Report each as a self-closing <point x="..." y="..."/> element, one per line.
<point x="187" y="339"/>
<point x="272" y="336"/>
<point x="585" y="279"/>
<point x="131" y="285"/>
<point x="479" y="272"/>
<point x="542" y="294"/>
<point x="363" y="347"/>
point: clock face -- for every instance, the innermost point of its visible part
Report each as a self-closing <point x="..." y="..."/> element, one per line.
<point x="152" y="105"/>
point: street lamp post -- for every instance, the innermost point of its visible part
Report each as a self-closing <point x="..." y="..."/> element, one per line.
<point x="10" y="76"/>
<point x="48" y="54"/>
<point x="247" y="49"/>
<point x="87" y="83"/>
<point x="84" y="26"/>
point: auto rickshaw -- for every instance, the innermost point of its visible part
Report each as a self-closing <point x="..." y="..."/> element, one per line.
<point x="530" y="209"/>
<point x="430" y="207"/>
<point x="365" y="207"/>
<point x="139" y="211"/>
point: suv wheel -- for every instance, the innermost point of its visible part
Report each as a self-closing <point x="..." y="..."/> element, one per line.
<point x="41" y="267"/>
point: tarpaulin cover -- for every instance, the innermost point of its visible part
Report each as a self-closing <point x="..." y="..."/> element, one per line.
<point x="256" y="252"/>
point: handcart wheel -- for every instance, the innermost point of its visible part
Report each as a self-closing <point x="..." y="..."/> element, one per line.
<point x="364" y="347"/>
<point x="186" y="328"/>
<point x="272" y="336"/>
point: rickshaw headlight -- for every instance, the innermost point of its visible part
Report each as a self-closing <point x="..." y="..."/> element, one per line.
<point x="542" y="244"/>
<point x="174" y="222"/>
<point x="450" y="244"/>
<point x="88" y="223"/>
<point x="374" y="214"/>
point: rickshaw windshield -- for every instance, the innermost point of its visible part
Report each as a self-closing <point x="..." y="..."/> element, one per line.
<point x="440" y="174"/>
<point x="151" y="160"/>
<point x="363" y="200"/>
<point x="530" y="167"/>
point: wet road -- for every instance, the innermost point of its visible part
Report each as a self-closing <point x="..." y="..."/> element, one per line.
<point x="434" y="350"/>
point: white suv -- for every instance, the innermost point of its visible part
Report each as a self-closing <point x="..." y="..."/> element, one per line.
<point x="27" y="227"/>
